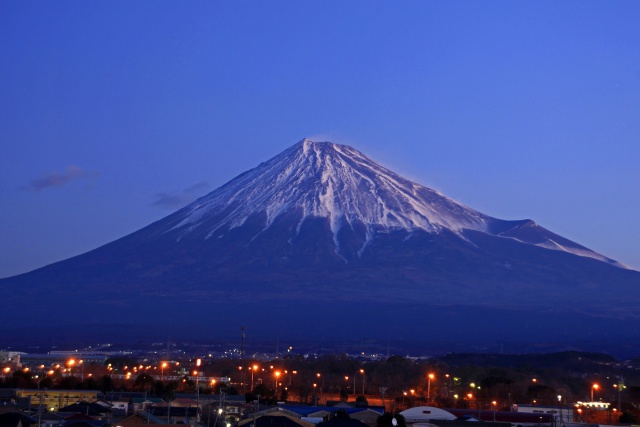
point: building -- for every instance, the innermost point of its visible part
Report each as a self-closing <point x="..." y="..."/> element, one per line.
<point x="53" y="400"/>
<point x="9" y="359"/>
<point x="423" y="416"/>
<point x="560" y="415"/>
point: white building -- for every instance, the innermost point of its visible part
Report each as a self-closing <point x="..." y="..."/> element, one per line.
<point x="420" y="416"/>
<point x="561" y="415"/>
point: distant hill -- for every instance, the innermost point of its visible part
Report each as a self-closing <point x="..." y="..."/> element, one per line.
<point x="569" y="361"/>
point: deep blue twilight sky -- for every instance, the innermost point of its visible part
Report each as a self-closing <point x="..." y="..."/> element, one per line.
<point x="113" y="114"/>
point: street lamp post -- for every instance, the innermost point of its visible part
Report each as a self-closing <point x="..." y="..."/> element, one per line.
<point x="430" y="377"/>
<point x="164" y="365"/>
<point x="198" y="363"/>
<point x="253" y="369"/>
<point x="362" y="372"/>
<point x="594" y="387"/>
<point x="448" y="376"/>
<point x="71" y="362"/>
<point x="619" y="387"/>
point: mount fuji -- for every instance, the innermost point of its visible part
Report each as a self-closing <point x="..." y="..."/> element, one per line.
<point x="322" y="241"/>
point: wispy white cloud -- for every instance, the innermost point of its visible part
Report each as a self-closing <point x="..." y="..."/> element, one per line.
<point x="179" y="199"/>
<point x="57" y="179"/>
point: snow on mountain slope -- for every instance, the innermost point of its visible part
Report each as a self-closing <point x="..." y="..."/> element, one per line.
<point x="336" y="182"/>
<point x="531" y="233"/>
<point x="321" y="179"/>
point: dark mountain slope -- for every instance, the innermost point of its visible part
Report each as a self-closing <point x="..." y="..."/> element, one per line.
<point x="321" y="232"/>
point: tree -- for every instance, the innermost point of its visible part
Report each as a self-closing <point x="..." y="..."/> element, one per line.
<point x="265" y="392"/>
<point x="341" y="414"/>
<point x="542" y="393"/>
<point x="106" y="383"/>
<point x="344" y="394"/>
<point x="90" y="384"/>
<point x="46" y="383"/>
<point x="628" y="418"/>
<point x="21" y="379"/>
<point x="69" y="383"/>
<point x="362" y="402"/>
<point x="143" y="382"/>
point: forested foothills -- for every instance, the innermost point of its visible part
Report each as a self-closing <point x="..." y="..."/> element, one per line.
<point x="455" y="380"/>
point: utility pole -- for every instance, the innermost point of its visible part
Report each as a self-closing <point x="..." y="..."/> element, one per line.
<point x="244" y="387"/>
<point x="198" y="363"/>
<point x="382" y="391"/>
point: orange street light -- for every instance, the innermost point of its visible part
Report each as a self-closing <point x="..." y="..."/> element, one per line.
<point x="277" y="375"/>
<point x="594" y="387"/>
<point x="430" y="377"/>
<point x="252" y="369"/>
<point x="164" y="365"/>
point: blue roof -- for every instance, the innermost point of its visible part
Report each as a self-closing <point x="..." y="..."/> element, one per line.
<point x="306" y="410"/>
<point x="151" y="418"/>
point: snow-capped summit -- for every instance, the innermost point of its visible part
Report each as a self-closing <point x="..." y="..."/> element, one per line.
<point x="336" y="182"/>
<point x="341" y="185"/>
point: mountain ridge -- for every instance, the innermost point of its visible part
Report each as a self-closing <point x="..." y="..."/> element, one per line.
<point x="319" y="230"/>
<point x="412" y="207"/>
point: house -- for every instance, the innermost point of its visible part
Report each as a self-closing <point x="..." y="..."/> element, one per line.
<point x="142" y="404"/>
<point x="368" y="415"/>
<point x="275" y="419"/>
<point x="95" y="410"/>
<point x="176" y="414"/>
<point x="82" y="420"/>
<point x="342" y="422"/>
<point x="141" y="418"/>
<point x="120" y="407"/>
<point x="11" y="417"/>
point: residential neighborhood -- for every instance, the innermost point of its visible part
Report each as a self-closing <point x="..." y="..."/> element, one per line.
<point x="90" y="388"/>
